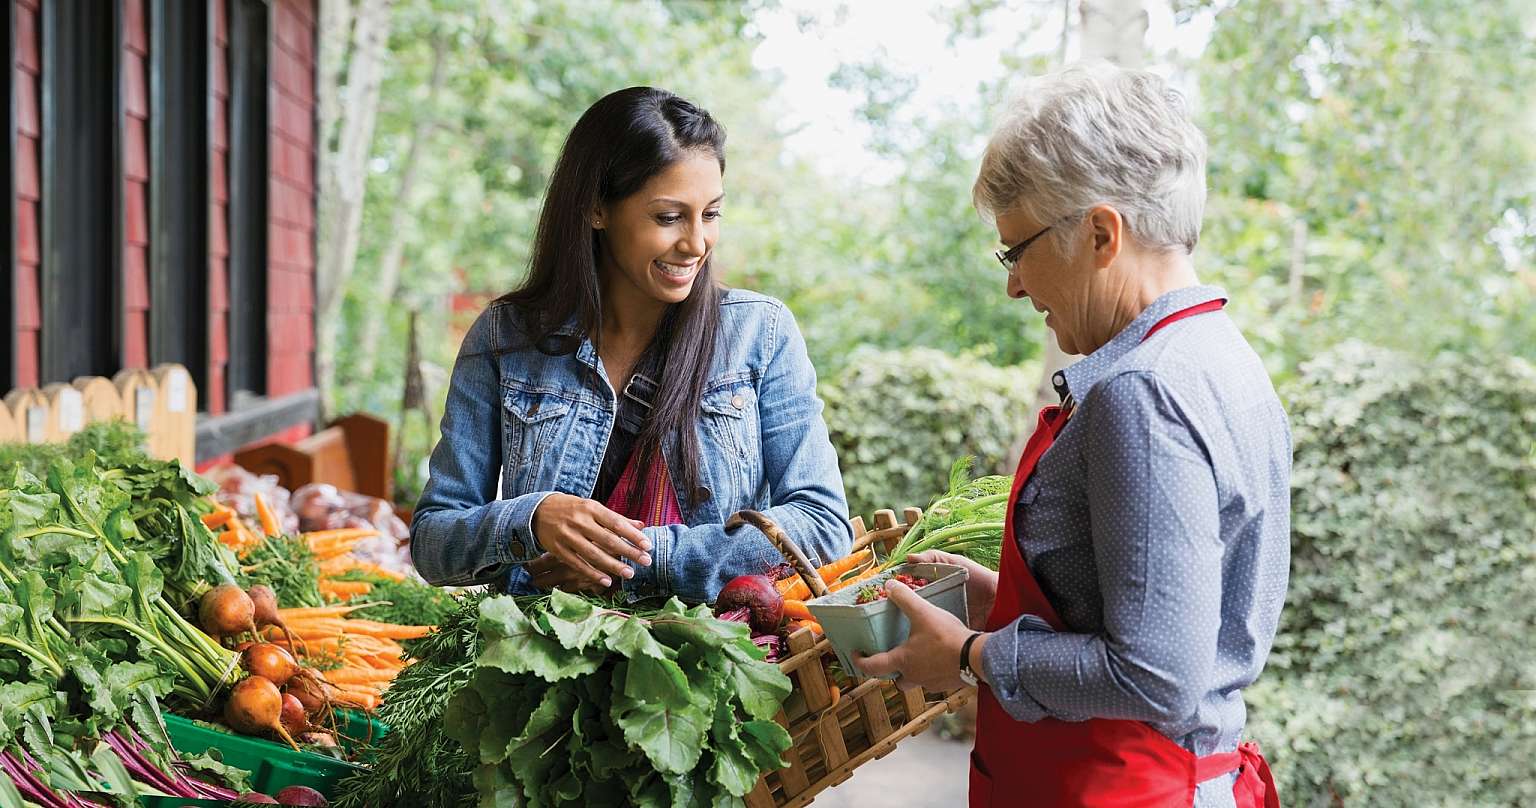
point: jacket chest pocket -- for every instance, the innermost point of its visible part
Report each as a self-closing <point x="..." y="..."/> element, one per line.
<point x="728" y="443"/>
<point x="729" y="419"/>
<point x="533" y="425"/>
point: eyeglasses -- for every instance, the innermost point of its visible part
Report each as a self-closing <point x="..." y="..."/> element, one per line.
<point x="1009" y="256"/>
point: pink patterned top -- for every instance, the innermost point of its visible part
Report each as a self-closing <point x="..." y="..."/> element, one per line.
<point x="656" y="503"/>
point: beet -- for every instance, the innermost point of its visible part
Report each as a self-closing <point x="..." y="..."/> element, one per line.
<point x="756" y="594"/>
<point x="301" y="795"/>
<point x="255" y="798"/>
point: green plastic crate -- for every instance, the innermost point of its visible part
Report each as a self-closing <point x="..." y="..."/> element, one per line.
<point x="273" y="765"/>
<point x="879" y="626"/>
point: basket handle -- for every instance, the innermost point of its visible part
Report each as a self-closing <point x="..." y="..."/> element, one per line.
<point x="791" y="551"/>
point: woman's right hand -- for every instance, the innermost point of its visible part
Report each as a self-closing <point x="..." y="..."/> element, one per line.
<point x="980" y="583"/>
<point x="588" y="539"/>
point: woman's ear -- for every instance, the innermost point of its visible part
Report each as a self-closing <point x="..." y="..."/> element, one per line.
<point x="1107" y="229"/>
<point x="595" y="218"/>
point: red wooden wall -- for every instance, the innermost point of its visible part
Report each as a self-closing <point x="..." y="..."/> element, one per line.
<point x="29" y="126"/>
<point x="290" y="203"/>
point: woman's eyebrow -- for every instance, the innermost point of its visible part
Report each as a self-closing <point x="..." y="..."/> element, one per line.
<point x="670" y="200"/>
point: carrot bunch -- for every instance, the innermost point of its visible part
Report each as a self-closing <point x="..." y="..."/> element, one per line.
<point x="332" y="549"/>
<point x="230" y="529"/>
<point x="369" y="651"/>
<point x="837" y="575"/>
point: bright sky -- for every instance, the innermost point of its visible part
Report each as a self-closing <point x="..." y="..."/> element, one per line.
<point x="905" y="37"/>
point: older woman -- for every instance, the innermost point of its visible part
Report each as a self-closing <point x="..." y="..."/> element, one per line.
<point x="1147" y="542"/>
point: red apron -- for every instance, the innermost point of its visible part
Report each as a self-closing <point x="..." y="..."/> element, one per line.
<point x="1102" y="763"/>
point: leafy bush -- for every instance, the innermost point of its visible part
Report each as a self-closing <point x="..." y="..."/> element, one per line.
<point x="900" y="418"/>
<point x="1404" y="672"/>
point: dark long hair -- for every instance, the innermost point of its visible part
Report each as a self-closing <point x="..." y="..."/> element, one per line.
<point x="618" y="145"/>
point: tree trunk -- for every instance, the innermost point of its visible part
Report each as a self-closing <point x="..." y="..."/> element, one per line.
<point x="394" y="252"/>
<point x="344" y="171"/>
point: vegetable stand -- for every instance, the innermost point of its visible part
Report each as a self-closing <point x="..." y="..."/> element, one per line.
<point x="838" y="723"/>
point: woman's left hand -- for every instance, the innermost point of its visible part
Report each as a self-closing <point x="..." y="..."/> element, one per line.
<point x="930" y="658"/>
<point x="550" y="573"/>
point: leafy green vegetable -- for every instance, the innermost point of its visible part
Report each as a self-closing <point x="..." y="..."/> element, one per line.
<point x="966" y="520"/>
<point x="564" y="700"/>
<point x="671" y="706"/>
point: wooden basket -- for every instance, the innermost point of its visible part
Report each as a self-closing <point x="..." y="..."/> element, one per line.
<point x="868" y="718"/>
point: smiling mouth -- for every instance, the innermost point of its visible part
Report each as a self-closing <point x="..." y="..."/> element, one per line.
<point x="675" y="270"/>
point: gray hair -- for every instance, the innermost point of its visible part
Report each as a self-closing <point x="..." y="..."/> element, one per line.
<point x="1098" y="134"/>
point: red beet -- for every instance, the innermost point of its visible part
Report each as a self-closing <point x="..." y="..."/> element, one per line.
<point x="255" y="798"/>
<point x="301" y="795"/>
<point x="756" y="594"/>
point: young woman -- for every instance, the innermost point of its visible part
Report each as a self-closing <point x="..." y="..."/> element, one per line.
<point x="628" y="404"/>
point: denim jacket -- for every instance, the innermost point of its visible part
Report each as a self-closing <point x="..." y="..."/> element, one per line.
<point x="541" y="424"/>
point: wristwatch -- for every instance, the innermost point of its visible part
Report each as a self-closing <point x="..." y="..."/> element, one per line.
<point x="968" y="675"/>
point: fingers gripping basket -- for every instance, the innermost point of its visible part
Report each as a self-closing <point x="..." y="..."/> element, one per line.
<point x="838" y="722"/>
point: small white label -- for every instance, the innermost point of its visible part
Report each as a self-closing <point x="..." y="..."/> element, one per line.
<point x="71" y="410"/>
<point x="144" y="408"/>
<point x="176" y="391"/>
<point x="37" y="421"/>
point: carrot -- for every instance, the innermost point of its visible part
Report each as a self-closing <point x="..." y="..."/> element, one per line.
<point x="310" y="612"/>
<point x="386" y="630"/>
<point x="339" y="534"/>
<point x="343" y="590"/>
<point x="807" y="624"/>
<point x="269" y="524"/>
<point x="836" y="694"/>
<point x="332" y="567"/>
<point x="374" y="569"/>
<point x="351" y="675"/>
<point x="831" y="572"/>
<point x="216" y="519"/>
<point x="793" y="588"/>
<point x="796" y="610"/>
<point x="863" y="576"/>
<point x="363" y="701"/>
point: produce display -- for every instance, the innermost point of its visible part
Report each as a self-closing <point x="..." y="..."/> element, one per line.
<point x="132" y="589"/>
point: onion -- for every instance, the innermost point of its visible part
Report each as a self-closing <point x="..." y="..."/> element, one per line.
<point x="226" y="610"/>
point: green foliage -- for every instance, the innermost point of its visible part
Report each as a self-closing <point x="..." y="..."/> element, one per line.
<point x="288" y="566"/>
<point x="406" y="603"/>
<point x="115" y="443"/>
<point x="1396" y="135"/>
<point x="899" y="418"/>
<point x="1404" y="671"/>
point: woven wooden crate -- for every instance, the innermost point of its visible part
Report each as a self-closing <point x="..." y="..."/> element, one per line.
<point x="869" y="717"/>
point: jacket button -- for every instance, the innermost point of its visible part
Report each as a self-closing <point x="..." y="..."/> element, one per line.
<point x="517" y="548"/>
<point x="738" y="402"/>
